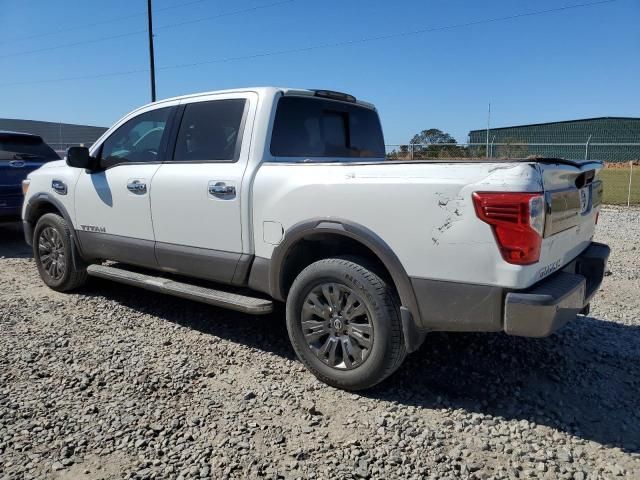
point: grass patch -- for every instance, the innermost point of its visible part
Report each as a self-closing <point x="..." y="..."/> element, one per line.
<point x="616" y="185"/>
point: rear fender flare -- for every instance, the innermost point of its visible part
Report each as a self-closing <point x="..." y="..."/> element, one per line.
<point x="357" y="232"/>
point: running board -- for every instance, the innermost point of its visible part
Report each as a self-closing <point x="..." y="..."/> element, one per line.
<point x="219" y="298"/>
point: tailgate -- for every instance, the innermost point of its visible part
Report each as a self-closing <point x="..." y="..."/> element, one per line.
<point x="573" y="194"/>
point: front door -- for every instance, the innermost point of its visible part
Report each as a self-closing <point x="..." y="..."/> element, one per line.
<point x="196" y="194"/>
<point x="113" y="211"/>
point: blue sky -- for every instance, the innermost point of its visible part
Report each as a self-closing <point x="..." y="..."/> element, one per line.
<point x="582" y="62"/>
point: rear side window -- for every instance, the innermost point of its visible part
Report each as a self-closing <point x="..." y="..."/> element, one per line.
<point x="312" y="127"/>
<point x="210" y="131"/>
<point x="24" y="147"/>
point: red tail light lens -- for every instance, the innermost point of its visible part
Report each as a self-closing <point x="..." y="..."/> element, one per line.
<point x="517" y="220"/>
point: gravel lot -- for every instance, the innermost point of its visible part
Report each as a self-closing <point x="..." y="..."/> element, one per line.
<point x="115" y="382"/>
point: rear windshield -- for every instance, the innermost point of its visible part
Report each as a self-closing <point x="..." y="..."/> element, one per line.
<point x="25" y="147"/>
<point x="318" y="128"/>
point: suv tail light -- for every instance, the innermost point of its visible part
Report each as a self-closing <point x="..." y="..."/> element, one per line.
<point x="517" y="220"/>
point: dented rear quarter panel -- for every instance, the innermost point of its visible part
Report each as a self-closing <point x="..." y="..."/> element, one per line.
<point x="423" y="211"/>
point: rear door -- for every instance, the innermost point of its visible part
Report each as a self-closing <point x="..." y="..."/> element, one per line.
<point x="573" y="194"/>
<point x="195" y="199"/>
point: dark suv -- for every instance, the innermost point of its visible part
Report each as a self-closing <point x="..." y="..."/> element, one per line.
<point x="20" y="154"/>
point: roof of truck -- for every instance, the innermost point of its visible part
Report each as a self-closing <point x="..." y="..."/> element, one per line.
<point x="262" y="91"/>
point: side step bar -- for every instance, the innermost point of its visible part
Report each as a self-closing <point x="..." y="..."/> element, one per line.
<point x="232" y="301"/>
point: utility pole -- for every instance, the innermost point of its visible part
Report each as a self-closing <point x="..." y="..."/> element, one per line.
<point x="152" y="63"/>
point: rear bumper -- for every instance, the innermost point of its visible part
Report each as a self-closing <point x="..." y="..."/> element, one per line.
<point x="542" y="309"/>
<point x="536" y="311"/>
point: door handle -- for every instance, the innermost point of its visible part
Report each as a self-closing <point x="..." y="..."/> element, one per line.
<point x="137" y="186"/>
<point x="222" y="190"/>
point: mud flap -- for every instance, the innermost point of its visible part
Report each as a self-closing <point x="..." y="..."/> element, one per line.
<point x="413" y="336"/>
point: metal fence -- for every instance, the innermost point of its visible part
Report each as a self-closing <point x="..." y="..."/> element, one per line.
<point x="62" y="147"/>
<point x="622" y="183"/>
<point x="608" y="152"/>
<point x="622" y="180"/>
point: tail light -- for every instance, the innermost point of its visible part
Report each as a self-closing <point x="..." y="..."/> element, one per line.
<point x="517" y="220"/>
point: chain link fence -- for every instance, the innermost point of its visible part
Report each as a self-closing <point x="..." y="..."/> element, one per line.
<point x="607" y="152"/>
<point x="64" y="145"/>
<point x="622" y="160"/>
<point x="61" y="148"/>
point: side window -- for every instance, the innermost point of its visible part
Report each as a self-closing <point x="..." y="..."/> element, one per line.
<point x="138" y="140"/>
<point x="210" y="131"/>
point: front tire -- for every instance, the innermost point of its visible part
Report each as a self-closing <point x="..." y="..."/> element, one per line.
<point x="344" y="323"/>
<point x="53" y="253"/>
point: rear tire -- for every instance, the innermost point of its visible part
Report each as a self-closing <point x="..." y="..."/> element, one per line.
<point x="53" y="253"/>
<point x="344" y="323"/>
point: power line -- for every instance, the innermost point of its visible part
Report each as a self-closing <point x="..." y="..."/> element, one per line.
<point x="386" y="36"/>
<point x="138" y="32"/>
<point x="73" y="44"/>
<point x="81" y="77"/>
<point x="343" y="43"/>
<point x="101" y="22"/>
<point x="225" y="14"/>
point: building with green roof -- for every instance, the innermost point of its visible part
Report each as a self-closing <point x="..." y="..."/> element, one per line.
<point x="612" y="139"/>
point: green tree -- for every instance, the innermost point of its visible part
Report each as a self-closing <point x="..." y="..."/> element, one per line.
<point x="434" y="143"/>
<point x="432" y="136"/>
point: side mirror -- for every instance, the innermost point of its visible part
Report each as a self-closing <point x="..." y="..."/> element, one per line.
<point x="78" y="157"/>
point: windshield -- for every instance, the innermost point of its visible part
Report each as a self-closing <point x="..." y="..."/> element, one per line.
<point x="26" y="146"/>
<point x="326" y="130"/>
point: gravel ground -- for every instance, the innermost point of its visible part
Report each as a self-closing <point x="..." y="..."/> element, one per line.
<point x="115" y="382"/>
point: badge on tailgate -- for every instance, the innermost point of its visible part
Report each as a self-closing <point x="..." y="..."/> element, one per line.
<point x="549" y="269"/>
<point x="563" y="210"/>
<point x="585" y="197"/>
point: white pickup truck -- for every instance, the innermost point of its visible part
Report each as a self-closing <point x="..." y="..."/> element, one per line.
<point x="241" y="198"/>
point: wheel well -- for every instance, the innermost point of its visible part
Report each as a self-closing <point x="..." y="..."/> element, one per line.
<point x="317" y="246"/>
<point x="39" y="209"/>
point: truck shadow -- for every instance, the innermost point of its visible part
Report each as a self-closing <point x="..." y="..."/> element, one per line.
<point x="583" y="381"/>
<point x="12" y="244"/>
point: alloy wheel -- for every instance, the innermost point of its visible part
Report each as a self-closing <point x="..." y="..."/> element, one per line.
<point x="51" y="252"/>
<point x="337" y="326"/>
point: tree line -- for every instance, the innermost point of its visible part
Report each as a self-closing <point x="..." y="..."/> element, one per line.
<point x="433" y="143"/>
